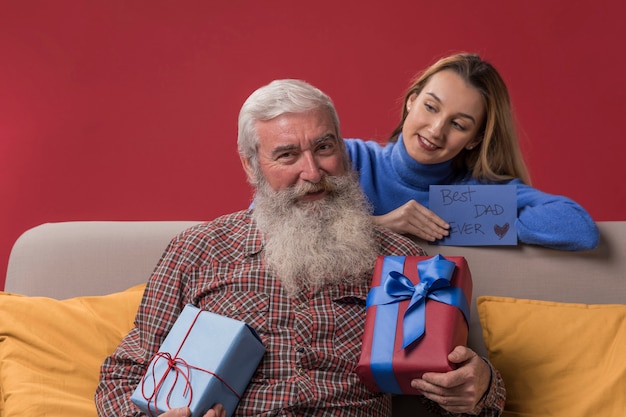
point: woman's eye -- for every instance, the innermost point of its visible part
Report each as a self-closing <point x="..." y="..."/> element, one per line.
<point x="429" y="107"/>
<point x="458" y="126"/>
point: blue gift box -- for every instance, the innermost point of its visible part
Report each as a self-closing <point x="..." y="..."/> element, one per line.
<point x="205" y="359"/>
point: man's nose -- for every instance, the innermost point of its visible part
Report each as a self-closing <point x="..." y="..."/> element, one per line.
<point x="311" y="170"/>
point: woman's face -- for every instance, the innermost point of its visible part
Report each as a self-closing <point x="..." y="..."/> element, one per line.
<point x="443" y="119"/>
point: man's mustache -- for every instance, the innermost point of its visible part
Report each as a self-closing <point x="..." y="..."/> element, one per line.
<point x="328" y="184"/>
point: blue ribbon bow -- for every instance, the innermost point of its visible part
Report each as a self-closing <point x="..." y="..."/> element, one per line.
<point x="435" y="275"/>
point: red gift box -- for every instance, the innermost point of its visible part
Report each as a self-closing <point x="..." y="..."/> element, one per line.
<point x="392" y="321"/>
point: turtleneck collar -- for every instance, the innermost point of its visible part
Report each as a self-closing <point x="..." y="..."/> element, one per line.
<point x="416" y="174"/>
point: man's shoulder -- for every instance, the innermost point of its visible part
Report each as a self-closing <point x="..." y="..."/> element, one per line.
<point x="392" y="243"/>
<point x="235" y="219"/>
<point x="227" y="232"/>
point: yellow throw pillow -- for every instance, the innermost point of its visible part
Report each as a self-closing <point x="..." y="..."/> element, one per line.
<point x="557" y="359"/>
<point x="51" y="350"/>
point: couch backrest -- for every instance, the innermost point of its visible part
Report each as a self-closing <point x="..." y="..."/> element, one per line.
<point x="524" y="271"/>
<point x="71" y="259"/>
<point x="63" y="260"/>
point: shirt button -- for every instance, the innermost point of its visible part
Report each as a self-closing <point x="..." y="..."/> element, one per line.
<point x="299" y="349"/>
<point x="233" y="307"/>
<point x="300" y="371"/>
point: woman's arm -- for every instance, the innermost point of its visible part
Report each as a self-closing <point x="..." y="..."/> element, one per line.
<point x="554" y="221"/>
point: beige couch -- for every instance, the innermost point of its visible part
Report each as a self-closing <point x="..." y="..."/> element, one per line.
<point x="93" y="260"/>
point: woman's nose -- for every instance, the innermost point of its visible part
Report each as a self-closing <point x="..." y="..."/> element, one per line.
<point x="436" y="127"/>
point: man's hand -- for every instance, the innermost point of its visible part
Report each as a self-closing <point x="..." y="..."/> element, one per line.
<point x="414" y="219"/>
<point x="216" y="411"/>
<point x="460" y="390"/>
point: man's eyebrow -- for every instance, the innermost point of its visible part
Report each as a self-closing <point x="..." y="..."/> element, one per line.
<point x="291" y="147"/>
<point x="464" y="115"/>
<point x="326" y="137"/>
<point x="283" y="148"/>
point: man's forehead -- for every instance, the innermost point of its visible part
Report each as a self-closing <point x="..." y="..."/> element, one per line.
<point x="297" y="129"/>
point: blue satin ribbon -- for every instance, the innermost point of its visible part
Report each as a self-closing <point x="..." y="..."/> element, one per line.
<point x="435" y="275"/>
<point x="384" y="334"/>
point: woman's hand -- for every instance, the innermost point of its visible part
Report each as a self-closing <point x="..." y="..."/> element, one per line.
<point x="414" y="219"/>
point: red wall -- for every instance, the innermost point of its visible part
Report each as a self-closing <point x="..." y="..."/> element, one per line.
<point x="126" y="110"/>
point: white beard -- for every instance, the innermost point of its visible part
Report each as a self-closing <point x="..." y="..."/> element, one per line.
<point x="310" y="244"/>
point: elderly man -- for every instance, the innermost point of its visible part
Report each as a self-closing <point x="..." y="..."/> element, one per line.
<point x="297" y="268"/>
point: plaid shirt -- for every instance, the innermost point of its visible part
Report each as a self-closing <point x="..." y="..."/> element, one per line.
<point x="313" y="340"/>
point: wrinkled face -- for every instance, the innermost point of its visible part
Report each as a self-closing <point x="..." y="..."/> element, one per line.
<point x="443" y="119"/>
<point x="297" y="148"/>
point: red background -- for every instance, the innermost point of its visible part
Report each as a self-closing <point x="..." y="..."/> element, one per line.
<point x="127" y="110"/>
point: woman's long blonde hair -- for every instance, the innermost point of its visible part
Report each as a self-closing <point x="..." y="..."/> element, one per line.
<point x="498" y="156"/>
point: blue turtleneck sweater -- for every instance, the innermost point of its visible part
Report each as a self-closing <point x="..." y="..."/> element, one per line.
<point x="390" y="178"/>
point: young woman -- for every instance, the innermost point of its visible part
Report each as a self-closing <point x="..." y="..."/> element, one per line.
<point x="457" y="128"/>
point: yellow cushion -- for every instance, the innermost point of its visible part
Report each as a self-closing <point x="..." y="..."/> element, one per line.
<point x="51" y="350"/>
<point x="557" y="359"/>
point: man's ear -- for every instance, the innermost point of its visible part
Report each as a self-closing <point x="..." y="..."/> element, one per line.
<point x="247" y="167"/>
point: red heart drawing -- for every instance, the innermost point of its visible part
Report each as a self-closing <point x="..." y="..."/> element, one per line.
<point x="501" y="230"/>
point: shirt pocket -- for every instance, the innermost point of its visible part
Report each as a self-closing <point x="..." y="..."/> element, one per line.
<point x="248" y="307"/>
<point x="349" y="314"/>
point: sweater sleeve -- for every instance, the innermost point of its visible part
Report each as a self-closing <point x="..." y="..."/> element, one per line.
<point x="553" y="221"/>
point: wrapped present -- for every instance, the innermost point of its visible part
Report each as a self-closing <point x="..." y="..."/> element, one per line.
<point x="205" y="359"/>
<point x="417" y="313"/>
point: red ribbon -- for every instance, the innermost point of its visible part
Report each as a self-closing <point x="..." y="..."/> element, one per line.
<point x="181" y="368"/>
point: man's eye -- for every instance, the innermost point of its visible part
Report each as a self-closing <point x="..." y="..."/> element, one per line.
<point x="284" y="155"/>
<point x="326" y="148"/>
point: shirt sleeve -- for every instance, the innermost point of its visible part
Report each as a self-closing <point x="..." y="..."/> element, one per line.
<point x="492" y="403"/>
<point x="123" y="370"/>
